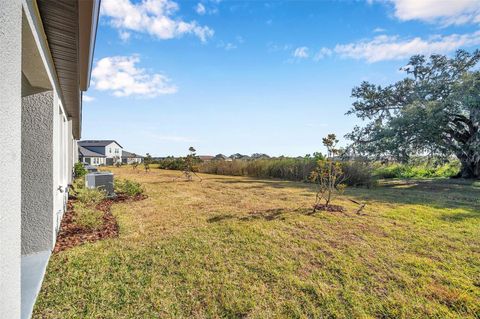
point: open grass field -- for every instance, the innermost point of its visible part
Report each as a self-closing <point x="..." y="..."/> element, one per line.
<point x="235" y="247"/>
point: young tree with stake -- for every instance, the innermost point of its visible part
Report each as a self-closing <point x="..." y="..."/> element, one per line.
<point x="328" y="175"/>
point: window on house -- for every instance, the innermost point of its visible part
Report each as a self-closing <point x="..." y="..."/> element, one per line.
<point x="110" y="149"/>
<point x="116" y="150"/>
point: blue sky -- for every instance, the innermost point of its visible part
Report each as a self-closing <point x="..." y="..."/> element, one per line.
<point x="253" y="76"/>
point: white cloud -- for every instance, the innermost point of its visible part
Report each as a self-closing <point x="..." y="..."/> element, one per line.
<point x="445" y="12"/>
<point x="86" y="98"/>
<point x="227" y="45"/>
<point x="301" y="53"/>
<point x="120" y="75"/>
<point x="154" y="17"/>
<point x="322" y="53"/>
<point x="200" y="9"/>
<point x="124" y="35"/>
<point x="385" y="47"/>
<point x="379" y="30"/>
<point x="273" y="47"/>
<point x="230" y="46"/>
<point x="207" y="7"/>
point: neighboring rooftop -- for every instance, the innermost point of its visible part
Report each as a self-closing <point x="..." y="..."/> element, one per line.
<point x="126" y="154"/>
<point x="88" y="153"/>
<point x="93" y="143"/>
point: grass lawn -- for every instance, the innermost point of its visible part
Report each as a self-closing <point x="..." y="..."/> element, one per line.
<point x="235" y="247"/>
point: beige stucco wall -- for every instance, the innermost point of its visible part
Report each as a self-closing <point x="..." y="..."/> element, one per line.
<point x="37" y="172"/>
<point x="10" y="164"/>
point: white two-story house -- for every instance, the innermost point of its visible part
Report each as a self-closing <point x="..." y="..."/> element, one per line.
<point x="100" y="152"/>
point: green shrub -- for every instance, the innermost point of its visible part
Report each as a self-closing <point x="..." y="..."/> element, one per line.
<point x="78" y="184"/>
<point x="91" y="196"/>
<point x="294" y="169"/>
<point x="87" y="217"/>
<point x="449" y="169"/>
<point x="417" y="170"/>
<point x="128" y="187"/>
<point x="358" y="173"/>
<point x="172" y="163"/>
<point x="79" y="170"/>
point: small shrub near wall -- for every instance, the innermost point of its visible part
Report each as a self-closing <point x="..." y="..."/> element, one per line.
<point x="79" y="170"/>
<point x="87" y="217"/>
<point x="128" y="187"/>
<point x="90" y="196"/>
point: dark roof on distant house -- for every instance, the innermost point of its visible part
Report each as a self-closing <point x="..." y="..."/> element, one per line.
<point x="98" y="143"/>
<point x="126" y="154"/>
<point x="88" y="153"/>
<point x="206" y="157"/>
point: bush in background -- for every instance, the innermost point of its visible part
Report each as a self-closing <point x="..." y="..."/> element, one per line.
<point x="128" y="187"/>
<point x="358" y="173"/>
<point x="417" y="170"/>
<point x="294" y="169"/>
<point x="171" y="163"/>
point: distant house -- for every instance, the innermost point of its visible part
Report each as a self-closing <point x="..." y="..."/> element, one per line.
<point x="206" y="158"/>
<point x="130" y="158"/>
<point x="87" y="156"/>
<point x="220" y="157"/>
<point x="238" y="156"/>
<point x="110" y="150"/>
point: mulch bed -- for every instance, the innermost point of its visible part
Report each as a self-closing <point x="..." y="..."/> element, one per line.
<point x="71" y="234"/>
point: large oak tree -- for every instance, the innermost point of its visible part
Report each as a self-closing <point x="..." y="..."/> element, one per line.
<point x="435" y="110"/>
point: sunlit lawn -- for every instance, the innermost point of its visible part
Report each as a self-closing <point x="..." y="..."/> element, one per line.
<point x="235" y="247"/>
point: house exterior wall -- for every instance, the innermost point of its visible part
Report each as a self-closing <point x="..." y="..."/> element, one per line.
<point x="38" y="151"/>
<point x="131" y="160"/>
<point x="37" y="172"/>
<point x="75" y="151"/>
<point x="70" y="152"/>
<point x="10" y="164"/>
<point x="95" y="160"/>
<point x="60" y="166"/>
<point x="113" y="150"/>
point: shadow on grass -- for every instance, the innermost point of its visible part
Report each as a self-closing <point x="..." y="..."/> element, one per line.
<point x="436" y="193"/>
<point x="260" y="183"/>
<point x="458" y="217"/>
<point x="220" y="218"/>
<point x="433" y="193"/>
<point x="265" y="214"/>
